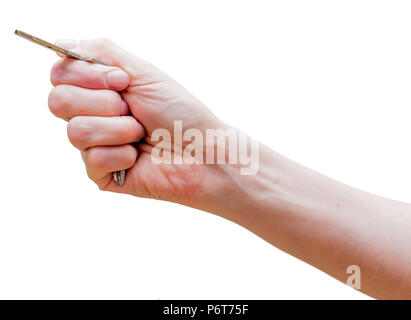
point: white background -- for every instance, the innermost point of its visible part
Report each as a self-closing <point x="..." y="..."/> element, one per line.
<point x="326" y="83"/>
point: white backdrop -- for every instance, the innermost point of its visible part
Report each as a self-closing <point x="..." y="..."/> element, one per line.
<point x="326" y="83"/>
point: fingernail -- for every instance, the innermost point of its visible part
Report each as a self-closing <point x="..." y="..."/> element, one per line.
<point x="117" y="79"/>
<point x="68" y="44"/>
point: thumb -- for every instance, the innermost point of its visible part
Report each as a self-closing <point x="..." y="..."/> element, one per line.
<point x="107" y="51"/>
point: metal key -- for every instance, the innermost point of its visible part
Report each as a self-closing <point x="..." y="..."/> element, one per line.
<point x="119" y="176"/>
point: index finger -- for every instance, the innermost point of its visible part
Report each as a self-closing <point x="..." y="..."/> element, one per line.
<point x="88" y="75"/>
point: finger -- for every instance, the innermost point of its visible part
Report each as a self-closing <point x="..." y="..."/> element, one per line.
<point x="66" y="102"/>
<point x="88" y="75"/>
<point x="102" y="161"/>
<point x="139" y="70"/>
<point x="86" y="132"/>
<point x="68" y="44"/>
<point x="102" y="49"/>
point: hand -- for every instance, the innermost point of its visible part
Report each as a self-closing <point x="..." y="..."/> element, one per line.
<point x="112" y="113"/>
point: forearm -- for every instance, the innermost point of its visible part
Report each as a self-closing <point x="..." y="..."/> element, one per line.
<point x="323" y="222"/>
<point x="312" y="217"/>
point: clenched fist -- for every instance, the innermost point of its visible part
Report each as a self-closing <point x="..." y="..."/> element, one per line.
<point x="112" y="113"/>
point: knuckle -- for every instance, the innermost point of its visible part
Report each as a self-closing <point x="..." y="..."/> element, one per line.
<point x="78" y="133"/>
<point x="58" y="101"/>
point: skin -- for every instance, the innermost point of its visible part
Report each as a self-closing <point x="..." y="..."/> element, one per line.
<point x="112" y="113"/>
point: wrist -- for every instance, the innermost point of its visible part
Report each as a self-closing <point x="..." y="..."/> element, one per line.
<point x="239" y="197"/>
<point x="280" y="188"/>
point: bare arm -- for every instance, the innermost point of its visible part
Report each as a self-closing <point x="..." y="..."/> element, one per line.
<point x="325" y="223"/>
<point x="113" y="114"/>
